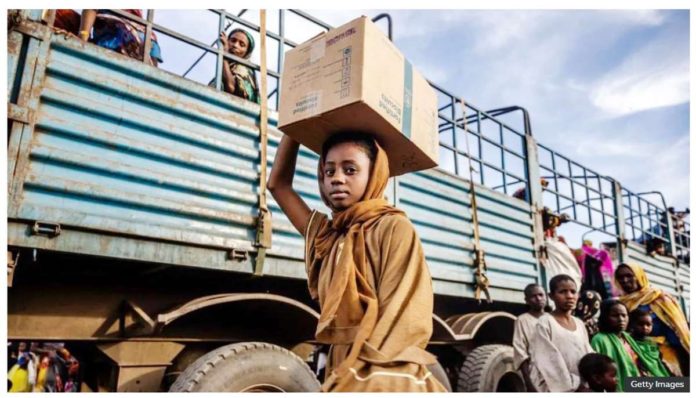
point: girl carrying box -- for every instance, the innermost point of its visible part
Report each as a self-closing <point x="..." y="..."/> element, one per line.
<point x="365" y="266"/>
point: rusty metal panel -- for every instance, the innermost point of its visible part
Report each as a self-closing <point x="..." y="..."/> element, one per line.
<point x="439" y="206"/>
<point x="15" y="44"/>
<point x="136" y="163"/>
<point x="121" y="148"/>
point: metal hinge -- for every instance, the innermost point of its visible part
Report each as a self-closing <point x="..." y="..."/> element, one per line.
<point x="49" y="229"/>
<point x="238" y="255"/>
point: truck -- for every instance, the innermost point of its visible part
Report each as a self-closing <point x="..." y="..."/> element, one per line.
<point x="136" y="227"/>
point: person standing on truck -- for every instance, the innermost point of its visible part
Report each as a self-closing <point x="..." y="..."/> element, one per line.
<point x="525" y="327"/>
<point x="365" y="266"/>
<point x="670" y="329"/>
<point x="560" y="341"/>
<point x="118" y="34"/>
<point x="238" y="79"/>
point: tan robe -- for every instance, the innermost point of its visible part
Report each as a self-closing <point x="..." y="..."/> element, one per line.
<point x="555" y="353"/>
<point x="393" y="357"/>
<point x="525" y="327"/>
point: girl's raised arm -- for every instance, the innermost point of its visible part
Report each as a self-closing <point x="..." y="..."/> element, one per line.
<point x="280" y="184"/>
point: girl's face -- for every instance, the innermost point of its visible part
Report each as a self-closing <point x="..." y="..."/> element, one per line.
<point x="565" y="296"/>
<point x="346" y="174"/>
<point x="627" y="280"/>
<point x="618" y="318"/>
<point x="238" y="44"/>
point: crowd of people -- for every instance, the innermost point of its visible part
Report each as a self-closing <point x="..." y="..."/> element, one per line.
<point x="590" y="343"/>
<point x="42" y="367"/>
<point x="125" y="36"/>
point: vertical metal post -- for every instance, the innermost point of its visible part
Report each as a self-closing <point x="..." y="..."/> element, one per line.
<point x="601" y="203"/>
<point x="454" y="134"/>
<point x="673" y="252"/>
<point x="555" y="181"/>
<point x="281" y="52"/>
<point x="49" y="16"/>
<point x="502" y="158"/>
<point x="480" y="147"/>
<point x="264" y="227"/>
<point x="587" y="197"/>
<point x="536" y="200"/>
<point x="640" y="217"/>
<point x="620" y="222"/>
<point x="572" y="189"/>
<point x="148" y="37"/>
<point x="670" y="233"/>
<point x="221" y="50"/>
<point x="631" y="216"/>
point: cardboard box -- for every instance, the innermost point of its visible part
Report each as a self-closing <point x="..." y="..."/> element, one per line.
<point x="353" y="78"/>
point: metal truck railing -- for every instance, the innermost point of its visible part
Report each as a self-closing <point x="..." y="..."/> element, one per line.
<point x="499" y="153"/>
<point x="588" y="197"/>
<point x="497" y="150"/>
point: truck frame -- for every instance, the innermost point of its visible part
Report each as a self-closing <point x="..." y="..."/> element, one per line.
<point x="135" y="230"/>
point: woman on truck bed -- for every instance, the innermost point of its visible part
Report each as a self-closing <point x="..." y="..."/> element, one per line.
<point x="670" y="329"/>
<point x="365" y="266"/>
<point x="239" y="79"/>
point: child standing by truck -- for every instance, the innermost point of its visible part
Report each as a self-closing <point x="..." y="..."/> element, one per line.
<point x="525" y="327"/>
<point x="560" y="341"/>
<point x="365" y="266"/>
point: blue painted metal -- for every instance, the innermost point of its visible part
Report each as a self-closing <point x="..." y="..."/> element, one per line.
<point x="136" y="163"/>
<point x="126" y="149"/>
<point x="684" y="272"/>
<point x="438" y="204"/>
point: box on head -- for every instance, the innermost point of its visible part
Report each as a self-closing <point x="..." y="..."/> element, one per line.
<point x="352" y="78"/>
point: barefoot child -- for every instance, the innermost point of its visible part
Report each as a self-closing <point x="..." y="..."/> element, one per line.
<point x="525" y="327"/>
<point x="560" y="341"/>
<point x="613" y="341"/>
<point x="365" y="266"/>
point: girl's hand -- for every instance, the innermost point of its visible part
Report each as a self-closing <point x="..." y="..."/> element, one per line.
<point x="223" y="40"/>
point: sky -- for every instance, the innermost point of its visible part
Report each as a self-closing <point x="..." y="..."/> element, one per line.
<point x="608" y="89"/>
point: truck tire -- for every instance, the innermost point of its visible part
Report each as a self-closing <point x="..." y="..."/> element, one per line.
<point x="247" y="367"/>
<point x="489" y="368"/>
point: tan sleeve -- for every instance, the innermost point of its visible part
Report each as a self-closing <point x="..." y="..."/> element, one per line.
<point x="316" y="221"/>
<point x="520" y="344"/>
